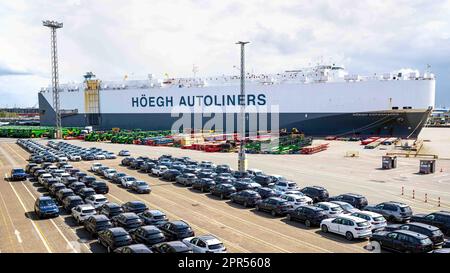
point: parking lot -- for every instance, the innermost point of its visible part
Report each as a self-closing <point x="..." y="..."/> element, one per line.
<point x="240" y="229"/>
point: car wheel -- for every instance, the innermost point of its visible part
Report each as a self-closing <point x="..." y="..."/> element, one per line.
<point x="288" y="217"/>
<point x="349" y="235"/>
<point x="308" y="223"/>
<point x="324" y="228"/>
<point x="274" y="213"/>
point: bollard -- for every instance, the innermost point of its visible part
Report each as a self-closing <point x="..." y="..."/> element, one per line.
<point x="403" y="190"/>
<point x="426" y="198"/>
<point x="414" y="194"/>
<point x="439" y="201"/>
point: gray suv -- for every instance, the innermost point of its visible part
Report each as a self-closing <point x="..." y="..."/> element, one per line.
<point x="392" y="211"/>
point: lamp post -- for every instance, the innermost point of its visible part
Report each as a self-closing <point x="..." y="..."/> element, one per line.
<point x="242" y="162"/>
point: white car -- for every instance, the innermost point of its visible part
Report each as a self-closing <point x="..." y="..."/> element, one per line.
<point x="275" y="178"/>
<point x="110" y="156"/>
<point x="43" y="177"/>
<point x="74" y="158"/>
<point x="95" y="166"/>
<point x="255" y="172"/>
<point x="127" y="181"/>
<point x="82" y="212"/>
<point x="67" y="167"/>
<point x="60" y="176"/>
<point x="62" y="159"/>
<point x="375" y="219"/>
<point x="99" y="157"/>
<point x="205" y="244"/>
<point x="331" y="209"/>
<point x="51" y="168"/>
<point x="109" y="173"/>
<point x="349" y="226"/>
<point x="297" y="200"/>
<point x="96" y="200"/>
<point x="159" y="170"/>
<point x="285" y="186"/>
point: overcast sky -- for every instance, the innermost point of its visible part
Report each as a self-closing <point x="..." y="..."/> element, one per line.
<point x="114" y="38"/>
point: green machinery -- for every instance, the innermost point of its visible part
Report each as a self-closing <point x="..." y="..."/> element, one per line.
<point x="35" y="131"/>
<point x="287" y="144"/>
<point x="124" y="137"/>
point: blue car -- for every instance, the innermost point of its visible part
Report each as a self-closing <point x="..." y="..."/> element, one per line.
<point x="45" y="207"/>
<point x="18" y="174"/>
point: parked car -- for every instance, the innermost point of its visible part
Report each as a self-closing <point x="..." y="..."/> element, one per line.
<point x="113" y="238"/>
<point x="63" y="193"/>
<point x="86" y="192"/>
<point x="18" y="174"/>
<point x="346" y="207"/>
<point x="434" y="233"/>
<point x="127" y="220"/>
<point x="136" y="248"/>
<point x="140" y="187"/>
<point x="124" y="153"/>
<point x="147" y="167"/>
<point x="127" y="181"/>
<point x="331" y="209"/>
<point x="242" y="185"/>
<point x="134" y="206"/>
<point x="159" y="170"/>
<point x="45" y="206"/>
<point x="68" y="181"/>
<point x="186" y="179"/>
<point x="349" y="226"/>
<point x="316" y="193"/>
<point x="49" y="182"/>
<point x="80" y="176"/>
<point x="205" y="244"/>
<point x="356" y="200"/>
<point x="110" y="209"/>
<point x="404" y="241"/>
<point x="204" y="184"/>
<point x="71" y="201"/>
<point x="392" y="211"/>
<point x="177" y="230"/>
<point x="96" y="166"/>
<point x="96" y="223"/>
<point x="170" y="175"/>
<point x="222" y="190"/>
<point x="127" y="161"/>
<point x="440" y="219"/>
<point x="274" y="205"/>
<point x="96" y="200"/>
<point x="148" y="235"/>
<point x="117" y="176"/>
<point x="285" y="185"/>
<point x="43" y="177"/>
<point x="77" y="186"/>
<point x="82" y="212"/>
<point x="100" y="187"/>
<point x="265" y="192"/>
<point x="172" y="247"/>
<point x="109" y="173"/>
<point x="308" y="214"/>
<point x="376" y="220"/>
<point x="248" y="198"/>
<point x="153" y="217"/>
<point x="264" y="180"/>
<point x="297" y="199"/>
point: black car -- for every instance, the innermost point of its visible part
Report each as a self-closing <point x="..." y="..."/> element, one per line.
<point x="127" y="161"/>
<point x="113" y="238"/>
<point x="140" y="187"/>
<point x="204" y="174"/>
<point x="134" y="206"/>
<point x="170" y="175"/>
<point x="404" y="241"/>
<point x="127" y="220"/>
<point x="136" y="164"/>
<point x="274" y="205"/>
<point x="153" y="217"/>
<point x="440" y="219"/>
<point x="55" y="187"/>
<point x="63" y="193"/>
<point x="77" y="186"/>
<point x="248" y="198"/>
<point x="245" y="185"/>
<point x="116" y="177"/>
<point x="263" y="180"/>
<point x="136" y="248"/>
<point x="316" y="193"/>
<point x="177" y="230"/>
<point x="30" y="166"/>
<point x="110" y="209"/>
<point x="204" y="184"/>
<point x="96" y="223"/>
<point x="148" y="235"/>
<point x="222" y="169"/>
<point x="86" y="192"/>
<point x="147" y="167"/>
<point x="100" y="187"/>
<point x="310" y="215"/>
<point x="71" y="201"/>
<point x="171" y="247"/>
<point x="88" y="180"/>
<point x="79" y="176"/>
<point x="267" y="192"/>
<point x="434" y="233"/>
<point x="356" y="200"/>
<point x="69" y="180"/>
<point x="18" y="174"/>
<point x="186" y="179"/>
<point x="223" y="190"/>
<point x="49" y="182"/>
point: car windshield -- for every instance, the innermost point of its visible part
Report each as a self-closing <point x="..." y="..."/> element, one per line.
<point x="292" y="185"/>
<point x="347" y="206"/>
<point x="88" y="211"/>
<point x="362" y="224"/>
<point x="101" y="200"/>
<point x="122" y="237"/>
<point x="46" y="203"/>
<point x="18" y="171"/>
<point x="131" y="179"/>
<point x="335" y="208"/>
<point x="103" y="223"/>
<point x="215" y="246"/>
<point x="141" y="183"/>
<point x="378" y="218"/>
<point x="159" y="217"/>
<point x="426" y="241"/>
<point x="405" y="209"/>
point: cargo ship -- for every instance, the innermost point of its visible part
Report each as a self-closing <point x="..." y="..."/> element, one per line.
<point x="319" y="101"/>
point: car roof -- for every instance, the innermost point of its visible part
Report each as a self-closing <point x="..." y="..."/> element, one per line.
<point x="353" y="218"/>
<point x="87" y="189"/>
<point x="356" y="195"/>
<point x="396" y="203"/>
<point x="156" y="212"/>
<point x="370" y="213"/>
<point x="179" y="223"/>
<point x="99" y="217"/>
<point x="150" y="228"/>
<point x="329" y="204"/>
<point x="74" y="197"/>
<point x="412" y="233"/>
<point x="129" y="215"/>
<point x="443" y="212"/>
<point x="422" y="225"/>
<point x="85" y="206"/>
<point x="209" y="239"/>
<point x="135" y="203"/>
<point x="177" y="244"/>
<point x="118" y="230"/>
<point x="98" y="196"/>
<point x="312" y="207"/>
<point x="276" y="198"/>
<point x="43" y="198"/>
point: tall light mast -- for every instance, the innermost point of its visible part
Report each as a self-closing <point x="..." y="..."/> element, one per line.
<point x="53" y="25"/>
<point x="242" y="162"/>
